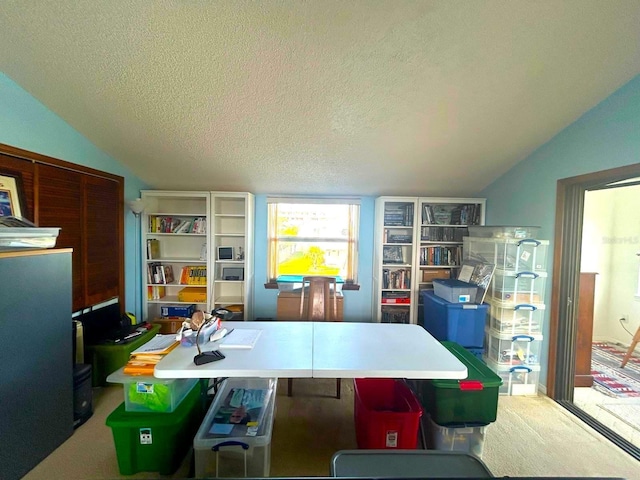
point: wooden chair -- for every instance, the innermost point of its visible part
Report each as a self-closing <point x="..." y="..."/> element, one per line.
<point x="634" y="342"/>
<point x="319" y="305"/>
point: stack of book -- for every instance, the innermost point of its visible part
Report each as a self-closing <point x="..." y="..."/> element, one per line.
<point x="143" y="359"/>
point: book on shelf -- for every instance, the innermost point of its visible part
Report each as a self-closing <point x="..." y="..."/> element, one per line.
<point x="392" y="254"/>
<point x="155" y="292"/>
<point x="162" y="224"/>
<point x="159" y="273"/>
<point x="153" y="249"/>
<point x="193" y="275"/>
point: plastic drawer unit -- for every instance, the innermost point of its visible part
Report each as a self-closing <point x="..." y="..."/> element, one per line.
<point x="517" y="379"/>
<point x="515" y="288"/>
<point x="454" y="291"/>
<point x="515" y="319"/>
<point x="150" y="394"/>
<point x="508" y="254"/>
<point x="507" y="349"/>
<point x="460" y="438"/>
<point x="472" y="400"/>
<point x="155" y="442"/>
<point x="387" y="414"/>
<point x="463" y="323"/>
<point x="234" y="439"/>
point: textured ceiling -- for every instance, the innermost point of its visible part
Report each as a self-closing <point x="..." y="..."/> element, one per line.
<point x="320" y="97"/>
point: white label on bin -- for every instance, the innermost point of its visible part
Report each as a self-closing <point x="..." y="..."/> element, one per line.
<point x="145" y="436"/>
<point x="144" y="387"/>
<point x="392" y="439"/>
<point x="464" y="298"/>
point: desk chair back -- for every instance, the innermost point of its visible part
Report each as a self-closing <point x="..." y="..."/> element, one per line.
<point x="320" y="304"/>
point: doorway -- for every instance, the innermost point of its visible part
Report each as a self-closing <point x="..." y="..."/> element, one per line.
<point x="570" y="204"/>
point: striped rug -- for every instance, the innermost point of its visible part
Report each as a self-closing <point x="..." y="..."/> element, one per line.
<point x="609" y="378"/>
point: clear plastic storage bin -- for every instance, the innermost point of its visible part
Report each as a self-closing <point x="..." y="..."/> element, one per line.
<point x="517" y="287"/>
<point x="150" y="394"/>
<point x="224" y="448"/>
<point x="455" y="291"/>
<point x="510" y="350"/>
<point x="462" y="438"/>
<point x="516" y="379"/>
<point x="515" y="319"/>
<point x="503" y="231"/>
<point x="508" y="254"/>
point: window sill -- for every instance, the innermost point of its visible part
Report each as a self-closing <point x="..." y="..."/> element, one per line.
<point x="346" y="286"/>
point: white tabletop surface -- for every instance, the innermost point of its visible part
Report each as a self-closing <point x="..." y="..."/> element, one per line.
<point x="284" y="349"/>
<point x="382" y="350"/>
<point x="323" y="350"/>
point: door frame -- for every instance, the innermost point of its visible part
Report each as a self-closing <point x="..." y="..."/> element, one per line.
<point x="563" y="324"/>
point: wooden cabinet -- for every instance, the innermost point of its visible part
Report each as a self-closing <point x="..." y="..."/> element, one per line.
<point x="584" y="338"/>
<point x="88" y="207"/>
<point x="36" y="383"/>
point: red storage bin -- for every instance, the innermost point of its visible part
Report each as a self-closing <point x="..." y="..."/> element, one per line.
<point x="387" y="414"/>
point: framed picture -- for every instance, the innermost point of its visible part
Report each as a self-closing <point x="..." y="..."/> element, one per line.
<point x="11" y="195"/>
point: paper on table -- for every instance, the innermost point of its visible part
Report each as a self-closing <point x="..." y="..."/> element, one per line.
<point x="240" y="338"/>
<point x="160" y="344"/>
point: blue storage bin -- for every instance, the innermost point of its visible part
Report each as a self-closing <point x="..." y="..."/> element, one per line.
<point x="462" y="323"/>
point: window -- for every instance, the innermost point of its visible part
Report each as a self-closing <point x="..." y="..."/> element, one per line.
<point x="313" y="236"/>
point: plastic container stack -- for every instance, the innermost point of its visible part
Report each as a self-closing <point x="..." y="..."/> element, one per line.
<point x="513" y="335"/>
<point x="149" y="441"/>
<point x="459" y="411"/>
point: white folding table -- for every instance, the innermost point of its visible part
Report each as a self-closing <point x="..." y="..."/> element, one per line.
<point x="323" y="350"/>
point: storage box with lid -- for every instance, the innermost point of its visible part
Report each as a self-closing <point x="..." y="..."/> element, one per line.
<point x="472" y="400"/>
<point x="226" y="449"/>
<point x="429" y="275"/>
<point x="386" y="413"/>
<point x="177" y="310"/>
<point x="193" y="294"/>
<point x="503" y="231"/>
<point x="508" y="254"/>
<point x="155" y="442"/>
<point x="514" y="288"/>
<point x="462" y="438"/>
<point x="516" y="379"/>
<point x="169" y="324"/>
<point x="455" y="291"/>
<point x="151" y="394"/>
<point x="507" y="349"/>
<point x="463" y="323"/>
<point x="515" y="319"/>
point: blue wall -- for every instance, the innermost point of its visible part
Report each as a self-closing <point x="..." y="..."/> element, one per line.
<point x="27" y="124"/>
<point x="607" y="136"/>
<point x="357" y="304"/>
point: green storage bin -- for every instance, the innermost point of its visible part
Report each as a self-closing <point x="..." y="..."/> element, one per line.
<point x="473" y="400"/>
<point x="107" y="358"/>
<point x="156" y="442"/>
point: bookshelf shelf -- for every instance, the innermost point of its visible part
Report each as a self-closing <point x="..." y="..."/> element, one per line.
<point x="221" y="219"/>
<point x="417" y="238"/>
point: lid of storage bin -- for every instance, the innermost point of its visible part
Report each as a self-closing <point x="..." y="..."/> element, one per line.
<point x="514" y="337"/>
<point x="506" y="368"/>
<point x="454" y="283"/>
<point x="479" y="376"/>
<point x="511" y="306"/>
<point x="120" y="377"/>
<point x="121" y="418"/>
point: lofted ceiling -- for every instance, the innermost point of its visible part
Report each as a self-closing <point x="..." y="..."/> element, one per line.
<point x="350" y="97"/>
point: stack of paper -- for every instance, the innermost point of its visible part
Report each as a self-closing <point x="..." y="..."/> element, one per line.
<point x="144" y="359"/>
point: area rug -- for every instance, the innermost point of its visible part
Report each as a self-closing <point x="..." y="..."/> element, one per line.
<point x="609" y="378"/>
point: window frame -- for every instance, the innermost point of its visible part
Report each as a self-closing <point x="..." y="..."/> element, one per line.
<point x="353" y="239"/>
